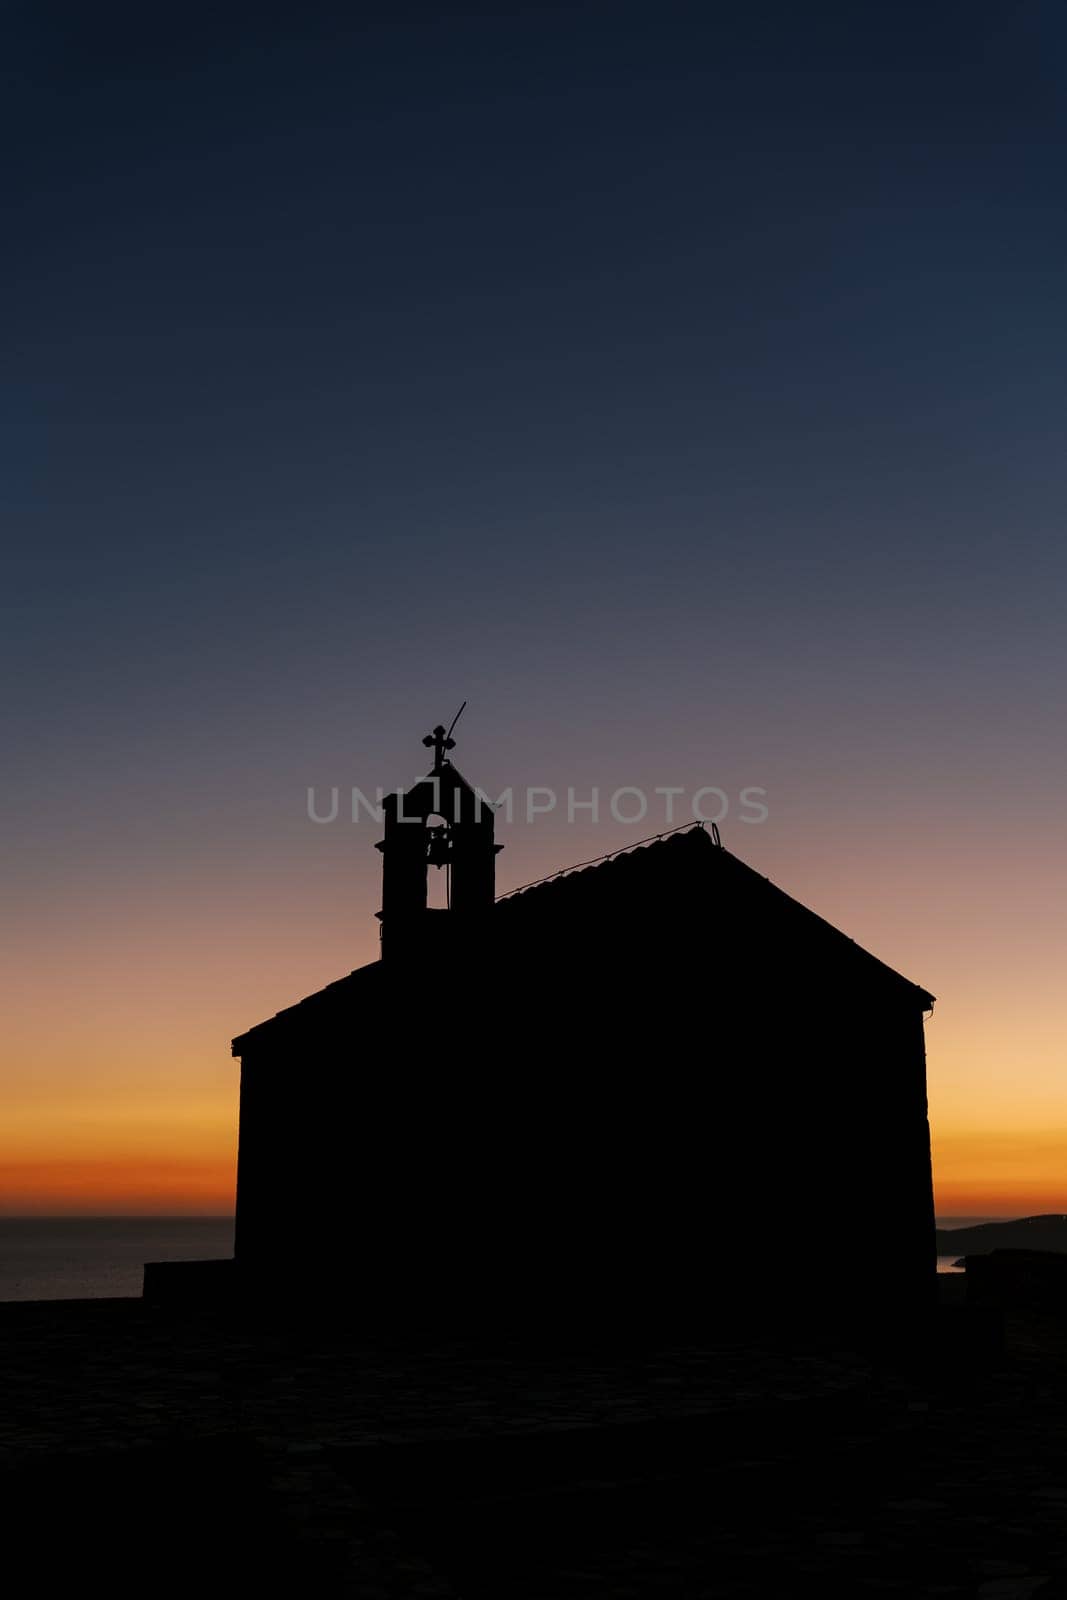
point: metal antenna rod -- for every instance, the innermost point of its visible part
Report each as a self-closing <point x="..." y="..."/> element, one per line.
<point x="456" y="718"/>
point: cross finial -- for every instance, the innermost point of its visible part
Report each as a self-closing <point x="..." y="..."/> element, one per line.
<point x="440" y="742"/>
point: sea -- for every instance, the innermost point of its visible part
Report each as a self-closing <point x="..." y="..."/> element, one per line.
<point x="93" y="1258"/>
<point x="90" y="1258"/>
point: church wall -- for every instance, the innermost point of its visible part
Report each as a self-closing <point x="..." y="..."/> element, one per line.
<point x="680" y="1134"/>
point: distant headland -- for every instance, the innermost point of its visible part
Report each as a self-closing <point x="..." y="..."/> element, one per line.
<point x="1047" y="1232"/>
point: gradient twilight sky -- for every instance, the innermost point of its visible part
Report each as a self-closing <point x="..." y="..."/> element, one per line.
<point x="683" y="385"/>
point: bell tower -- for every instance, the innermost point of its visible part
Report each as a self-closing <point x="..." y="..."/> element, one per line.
<point x="444" y="823"/>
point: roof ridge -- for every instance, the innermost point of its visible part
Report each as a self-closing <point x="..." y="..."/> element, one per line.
<point x="610" y="855"/>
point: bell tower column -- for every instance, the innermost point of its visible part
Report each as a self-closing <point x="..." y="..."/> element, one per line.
<point x="462" y="846"/>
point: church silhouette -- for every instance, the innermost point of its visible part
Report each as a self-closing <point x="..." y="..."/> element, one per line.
<point x="652" y="1093"/>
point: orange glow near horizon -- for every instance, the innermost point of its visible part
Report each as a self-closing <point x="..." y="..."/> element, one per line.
<point x="121" y="1096"/>
<point x="120" y="1154"/>
<point x="117" y="1187"/>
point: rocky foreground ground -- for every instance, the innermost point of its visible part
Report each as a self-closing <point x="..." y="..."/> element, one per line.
<point x="169" y="1455"/>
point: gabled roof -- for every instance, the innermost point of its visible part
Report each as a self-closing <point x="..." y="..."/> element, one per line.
<point x="356" y="986"/>
<point x="718" y="887"/>
<point x="439" y="791"/>
<point x="721" y="883"/>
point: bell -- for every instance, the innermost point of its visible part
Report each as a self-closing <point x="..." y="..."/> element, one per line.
<point x="437" y="847"/>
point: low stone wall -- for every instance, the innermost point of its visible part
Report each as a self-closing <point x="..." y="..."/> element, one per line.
<point x="189" y="1283"/>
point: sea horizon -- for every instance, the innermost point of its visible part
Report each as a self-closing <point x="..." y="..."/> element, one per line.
<point x="101" y="1256"/>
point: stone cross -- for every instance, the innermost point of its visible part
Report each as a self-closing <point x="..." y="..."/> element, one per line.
<point x="441" y="742"/>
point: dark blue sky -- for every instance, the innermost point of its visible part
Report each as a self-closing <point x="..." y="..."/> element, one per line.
<point x="688" y="377"/>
